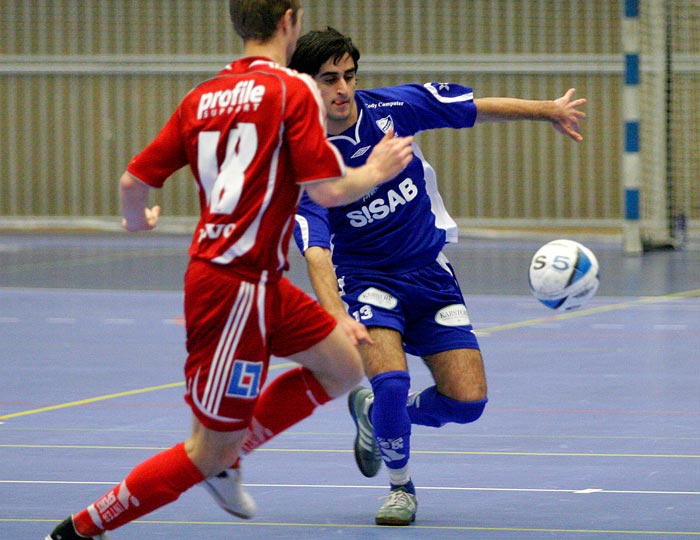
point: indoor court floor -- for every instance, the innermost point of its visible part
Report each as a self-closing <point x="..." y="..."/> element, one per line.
<point x="592" y="430"/>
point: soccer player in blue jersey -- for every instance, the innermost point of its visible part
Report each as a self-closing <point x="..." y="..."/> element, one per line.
<point x="377" y="264"/>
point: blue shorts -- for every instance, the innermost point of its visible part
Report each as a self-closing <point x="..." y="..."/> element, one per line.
<point x="425" y="306"/>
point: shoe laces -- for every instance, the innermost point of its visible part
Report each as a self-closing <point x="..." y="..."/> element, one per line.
<point x="399" y="498"/>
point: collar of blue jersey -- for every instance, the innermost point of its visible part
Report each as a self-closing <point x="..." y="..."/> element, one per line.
<point x="344" y="136"/>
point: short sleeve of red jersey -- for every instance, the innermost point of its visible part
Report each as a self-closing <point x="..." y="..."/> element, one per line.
<point x="162" y="157"/>
<point x="312" y="156"/>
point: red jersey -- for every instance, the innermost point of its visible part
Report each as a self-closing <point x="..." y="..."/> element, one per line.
<point x="251" y="136"/>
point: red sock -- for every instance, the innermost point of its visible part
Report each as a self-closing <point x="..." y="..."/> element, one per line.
<point x="288" y="399"/>
<point x="156" y="482"/>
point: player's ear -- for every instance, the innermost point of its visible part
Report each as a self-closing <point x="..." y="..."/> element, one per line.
<point x="286" y="23"/>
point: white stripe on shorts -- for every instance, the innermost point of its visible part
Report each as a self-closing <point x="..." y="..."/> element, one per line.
<point x="226" y="348"/>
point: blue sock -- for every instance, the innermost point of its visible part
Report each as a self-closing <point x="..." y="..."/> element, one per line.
<point x="430" y="408"/>
<point x="392" y="425"/>
<point x="408" y="487"/>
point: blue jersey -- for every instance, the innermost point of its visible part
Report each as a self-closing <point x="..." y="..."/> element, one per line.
<point x="402" y="224"/>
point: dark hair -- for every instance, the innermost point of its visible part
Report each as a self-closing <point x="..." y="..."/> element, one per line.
<point x="258" y="19"/>
<point x="315" y="48"/>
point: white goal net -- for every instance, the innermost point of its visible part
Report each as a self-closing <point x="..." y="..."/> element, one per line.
<point x="669" y="121"/>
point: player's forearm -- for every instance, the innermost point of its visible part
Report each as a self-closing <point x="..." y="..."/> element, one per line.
<point x="387" y="159"/>
<point x="346" y="189"/>
<point x="133" y="195"/>
<point x="496" y="109"/>
<point x="323" y="280"/>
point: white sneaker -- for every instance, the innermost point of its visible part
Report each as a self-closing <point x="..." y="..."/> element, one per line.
<point x="228" y="492"/>
<point x="399" y="509"/>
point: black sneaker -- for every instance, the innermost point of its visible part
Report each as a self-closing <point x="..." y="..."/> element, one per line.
<point x="66" y="531"/>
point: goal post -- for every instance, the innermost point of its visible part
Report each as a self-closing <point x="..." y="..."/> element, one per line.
<point x="631" y="160"/>
<point x="661" y="39"/>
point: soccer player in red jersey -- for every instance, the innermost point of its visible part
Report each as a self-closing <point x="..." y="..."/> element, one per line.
<point x="252" y="136"/>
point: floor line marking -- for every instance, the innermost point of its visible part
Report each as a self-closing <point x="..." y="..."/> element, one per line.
<point x="384" y="527"/>
<point x="95" y="399"/>
<point x="510" y="326"/>
<point x="426" y="434"/>
<point x="344" y="451"/>
<point x="646" y="300"/>
<point x="91" y="400"/>
<point x="587" y="491"/>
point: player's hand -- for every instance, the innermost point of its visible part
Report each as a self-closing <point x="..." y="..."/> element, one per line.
<point x="391" y="155"/>
<point x="356" y="331"/>
<point x="566" y="119"/>
<point x="149" y="221"/>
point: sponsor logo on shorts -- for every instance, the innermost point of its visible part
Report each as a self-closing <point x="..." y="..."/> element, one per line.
<point x="453" y="315"/>
<point x="378" y="298"/>
<point x="245" y="379"/>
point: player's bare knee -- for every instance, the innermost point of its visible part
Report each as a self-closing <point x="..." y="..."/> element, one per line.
<point x="476" y="392"/>
<point x="341" y="374"/>
<point x="350" y="377"/>
<point x="346" y="379"/>
<point x="463" y="390"/>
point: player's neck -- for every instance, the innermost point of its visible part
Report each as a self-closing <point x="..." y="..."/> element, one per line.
<point x="337" y="126"/>
<point x="269" y="49"/>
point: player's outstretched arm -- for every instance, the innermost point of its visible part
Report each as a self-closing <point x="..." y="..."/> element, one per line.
<point x="564" y="113"/>
<point x="387" y="160"/>
<point x="323" y="280"/>
<point x="566" y="120"/>
<point x="136" y="215"/>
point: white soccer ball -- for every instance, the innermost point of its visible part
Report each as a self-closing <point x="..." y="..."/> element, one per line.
<point x="564" y="275"/>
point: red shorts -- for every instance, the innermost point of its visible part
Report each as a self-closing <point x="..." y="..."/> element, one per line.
<point x="234" y="324"/>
